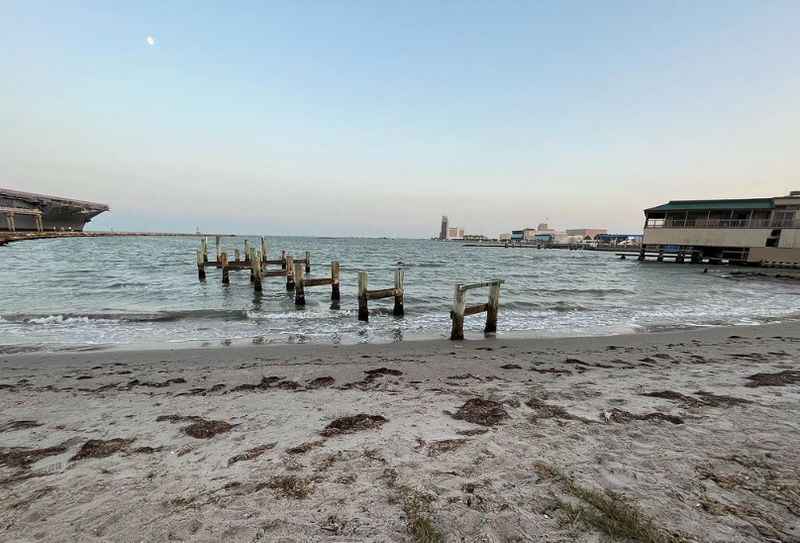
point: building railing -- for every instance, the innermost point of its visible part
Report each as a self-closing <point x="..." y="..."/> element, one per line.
<point x="721" y="223"/>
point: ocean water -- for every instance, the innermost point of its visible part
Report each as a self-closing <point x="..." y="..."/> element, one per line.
<point x="74" y="294"/>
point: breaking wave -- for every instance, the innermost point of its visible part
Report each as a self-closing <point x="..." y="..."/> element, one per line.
<point x="115" y="318"/>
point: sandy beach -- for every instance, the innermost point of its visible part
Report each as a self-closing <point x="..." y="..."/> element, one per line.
<point x="680" y="436"/>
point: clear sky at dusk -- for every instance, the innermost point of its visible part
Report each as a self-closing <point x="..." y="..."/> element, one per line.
<point x="370" y="118"/>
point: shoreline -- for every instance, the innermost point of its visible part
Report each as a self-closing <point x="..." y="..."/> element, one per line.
<point x="249" y="350"/>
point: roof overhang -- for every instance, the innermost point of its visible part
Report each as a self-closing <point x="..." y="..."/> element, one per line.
<point x="44" y="199"/>
<point x="712" y="205"/>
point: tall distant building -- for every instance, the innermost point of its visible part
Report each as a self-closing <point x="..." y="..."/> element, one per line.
<point x="443" y="231"/>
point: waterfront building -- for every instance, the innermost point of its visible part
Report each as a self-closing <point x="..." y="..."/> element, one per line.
<point x="27" y="211"/>
<point x="455" y="232"/>
<point x="753" y="230"/>
<point x="586" y="233"/>
<point x="443" y="231"/>
<point x="620" y="239"/>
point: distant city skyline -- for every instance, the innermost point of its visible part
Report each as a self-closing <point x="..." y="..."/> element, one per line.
<point x="341" y="119"/>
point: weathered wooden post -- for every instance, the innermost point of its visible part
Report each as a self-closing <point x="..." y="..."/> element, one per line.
<point x="641" y="254"/>
<point x="258" y="274"/>
<point x="299" y="284"/>
<point x="399" y="279"/>
<point x="216" y="241"/>
<point x="246" y="251"/>
<point x="223" y="259"/>
<point x="491" y="308"/>
<point x="308" y="261"/>
<point x="238" y="256"/>
<point x="283" y="259"/>
<point x="249" y="258"/>
<point x="201" y="268"/>
<point x="263" y="249"/>
<point x="335" y="296"/>
<point x="457" y="314"/>
<point x="205" y="249"/>
<point x="363" y="308"/>
<point x="289" y="265"/>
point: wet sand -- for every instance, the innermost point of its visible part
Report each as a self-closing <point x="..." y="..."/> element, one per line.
<point x="681" y="436"/>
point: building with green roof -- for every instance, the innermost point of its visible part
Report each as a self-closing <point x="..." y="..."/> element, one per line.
<point x="752" y="230"/>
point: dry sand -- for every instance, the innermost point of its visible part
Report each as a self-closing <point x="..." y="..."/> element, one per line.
<point x="663" y="437"/>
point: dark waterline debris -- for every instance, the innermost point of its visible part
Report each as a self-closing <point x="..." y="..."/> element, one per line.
<point x="620" y="416"/>
<point x="674" y="396"/>
<point x="205" y="429"/>
<point x="19" y="457"/>
<point x="305" y="447"/>
<point x="511" y="367"/>
<point x="264" y="384"/>
<point x="288" y="385"/>
<point x="383" y="371"/>
<point x="721" y="400"/>
<point x="137" y="383"/>
<point x="480" y="411"/>
<point x="354" y="423"/>
<point x="251" y="454"/>
<point x="200" y="427"/>
<point x="289" y="486"/>
<point x="178" y="418"/>
<point x="544" y="410"/>
<point x="14" y="425"/>
<point x="435" y="448"/>
<point x="782" y="378"/>
<point x="98" y="448"/>
<point x="320" y="382"/>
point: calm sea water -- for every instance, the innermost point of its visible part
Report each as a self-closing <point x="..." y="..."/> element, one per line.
<point x="79" y="293"/>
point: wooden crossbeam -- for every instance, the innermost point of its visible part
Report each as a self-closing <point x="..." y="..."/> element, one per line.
<point x="475" y="309"/>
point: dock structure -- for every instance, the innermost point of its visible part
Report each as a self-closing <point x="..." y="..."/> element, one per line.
<point x="751" y="232"/>
<point x="295" y="270"/>
<point x="364" y="294"/>
<point x="256" y="261"/>
<point x="301" y="282"/>
<point x="461" y="310"/>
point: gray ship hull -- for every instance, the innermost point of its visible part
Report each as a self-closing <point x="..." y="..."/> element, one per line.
<point x="24" y="211"/>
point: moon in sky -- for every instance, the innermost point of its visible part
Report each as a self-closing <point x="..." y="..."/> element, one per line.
<point x="150" y="40"/>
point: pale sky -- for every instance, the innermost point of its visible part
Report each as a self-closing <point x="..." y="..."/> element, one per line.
<point x="375" y="118"/>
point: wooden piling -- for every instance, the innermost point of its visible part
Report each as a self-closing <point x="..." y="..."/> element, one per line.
<point x="283" y="260"/>
<point x="289" y="266"/>
<point x="399" y="279"/>
<point x="641" y="254"/>
<point x="201" y="267"/>
<point x="250" y="257"/>
<point x="491" y="310"/>
<point x="299" y="284"/>
<point x="258" y="271"/>
<point x="263" y="250"/>
<point x="308" y="261"/>
<point x="223" y="259"/>
<point x="457" y="314"/>
<point x="238" y="256"/>
<point x="335" y="295"/>
<point x="246" y="251"/>
<point x="216" y="241"/>
<point x="363" y="309"/>
<point x="205" y="249"/>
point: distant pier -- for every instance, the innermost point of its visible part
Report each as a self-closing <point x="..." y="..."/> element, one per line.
<point x="10" y="237"/>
